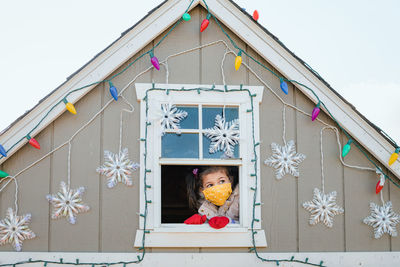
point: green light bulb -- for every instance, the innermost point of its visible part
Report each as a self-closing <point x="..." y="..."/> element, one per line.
<point x="186" y="17"/>
<point x="346" y="148"/>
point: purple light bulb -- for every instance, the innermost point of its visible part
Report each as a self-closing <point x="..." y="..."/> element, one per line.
<point x="154" y="61"/>
<point x="315" y="112"/>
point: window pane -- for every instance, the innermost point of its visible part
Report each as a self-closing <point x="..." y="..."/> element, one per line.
<point x="180" y="146"/>
<point x="219" y="154"/>
<point x="192" y="119"/>
<point x="209" y="114"/>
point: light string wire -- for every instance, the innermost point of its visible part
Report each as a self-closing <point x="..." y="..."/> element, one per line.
<point x="337" y="134"/>
<point x="284" y="124"/>
<point x="131" y="110"/>
<point x="69" y="165"/>
<point x="12" y="178"/>
<point x="120" y="93"/>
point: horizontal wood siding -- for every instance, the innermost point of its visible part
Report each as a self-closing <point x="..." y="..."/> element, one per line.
<point x="111" y="224"/>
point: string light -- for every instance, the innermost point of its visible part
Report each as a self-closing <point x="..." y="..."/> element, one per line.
<point x="315" y="111"/>
<point x="346" y="148"/>
<point x="154" y="61"/>
<point x="284" y="86"/>
<point x="70" y="107"/>
<point x="3" y="151"/>
<point x="113" y="91"/>
<point x="33" y="142"/>
<point x="186" y="17"/>
<point x="238" y="60"/>
<point x="255" y="15"/>
<point x="380" y="184"/>
<point x="205" y="23"/>
<point x="394" y="156"/>
<point x="3" y="174"/>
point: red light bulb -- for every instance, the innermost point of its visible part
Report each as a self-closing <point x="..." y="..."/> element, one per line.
<point x="33" y="142"/>
<point x="380" y="185"/>
<point x="205" y="23"/>
<point x="255" y="15"/>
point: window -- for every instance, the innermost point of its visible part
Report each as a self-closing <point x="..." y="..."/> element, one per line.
<point x="179" y="151"/>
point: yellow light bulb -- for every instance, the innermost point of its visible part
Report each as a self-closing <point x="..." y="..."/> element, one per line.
<point x="393" y="158"/>
<point x="238" y="62"/>
<point x="70" y="107"/>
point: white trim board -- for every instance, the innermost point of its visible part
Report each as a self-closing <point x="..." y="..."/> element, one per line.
<point x="181" y="235"/>
<point x="234" y="259"/>
<point x="211" y="239"/>
<point x="162" y="18"/>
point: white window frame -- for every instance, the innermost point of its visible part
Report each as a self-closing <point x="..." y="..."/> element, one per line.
<point x="181" y="235"/>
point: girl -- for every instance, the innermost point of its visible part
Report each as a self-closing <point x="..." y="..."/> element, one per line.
<point x="210" y="192"/>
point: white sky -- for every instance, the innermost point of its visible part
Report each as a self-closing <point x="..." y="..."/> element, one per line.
<point x="354" y="45"/>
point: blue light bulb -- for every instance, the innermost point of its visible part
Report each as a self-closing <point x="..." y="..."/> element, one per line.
<point x="3" y="151"/>
<point x="284" y="86"/>
<point x="113" y="91"/>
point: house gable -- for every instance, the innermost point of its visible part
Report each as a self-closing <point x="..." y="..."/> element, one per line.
<point x="285" y="221"/>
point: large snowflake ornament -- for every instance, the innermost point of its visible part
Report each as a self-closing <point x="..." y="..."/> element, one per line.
<point x="323" y="207"/>
<point x="170" y="117"/>
<point x="14" y="229"/>
<point x="224" y="136"/>
<point x="67" y="203"/>
<point x="285" y="159"/>
<point x="117" y="168"/>
<point x="383" y="219"/>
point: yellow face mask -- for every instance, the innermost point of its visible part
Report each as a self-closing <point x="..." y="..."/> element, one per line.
<point x="218" y="194"/>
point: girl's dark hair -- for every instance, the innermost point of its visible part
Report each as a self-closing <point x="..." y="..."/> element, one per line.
<point x="195" y="182"/>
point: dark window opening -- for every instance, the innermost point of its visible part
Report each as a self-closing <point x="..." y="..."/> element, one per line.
<point x="174" y="200"/>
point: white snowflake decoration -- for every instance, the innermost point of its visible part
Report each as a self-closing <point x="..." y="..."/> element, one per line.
<point x="323" y="207"/>
<point x="285" y="159"/>
<point x="117" y="168"/>
<point x="14" y="229"/>
<point x="170" y="117"/>
<point x="383" y="219"/>
<point x="224" y="136"/>
<point x="67" y="203"/>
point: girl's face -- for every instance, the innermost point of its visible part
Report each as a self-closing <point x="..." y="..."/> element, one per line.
<point x="215" y="178"/>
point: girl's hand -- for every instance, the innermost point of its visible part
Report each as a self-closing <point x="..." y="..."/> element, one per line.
<point x="218" y="222"/>
<point x="196" y="219"/>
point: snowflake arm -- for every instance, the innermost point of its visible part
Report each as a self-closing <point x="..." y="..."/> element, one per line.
<point x="383" y="219"/>
<point x="14" y="229"/>
<point x="224" y="136"/>
<point x="285" y="159"/>
<point x="117" y="168"/>
<point x="322" y="208"/>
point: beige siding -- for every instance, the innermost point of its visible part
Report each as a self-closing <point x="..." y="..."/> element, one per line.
<point x="111" y="224"/>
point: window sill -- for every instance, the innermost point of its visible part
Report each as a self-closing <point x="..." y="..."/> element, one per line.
<point x="214" y="238"/>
